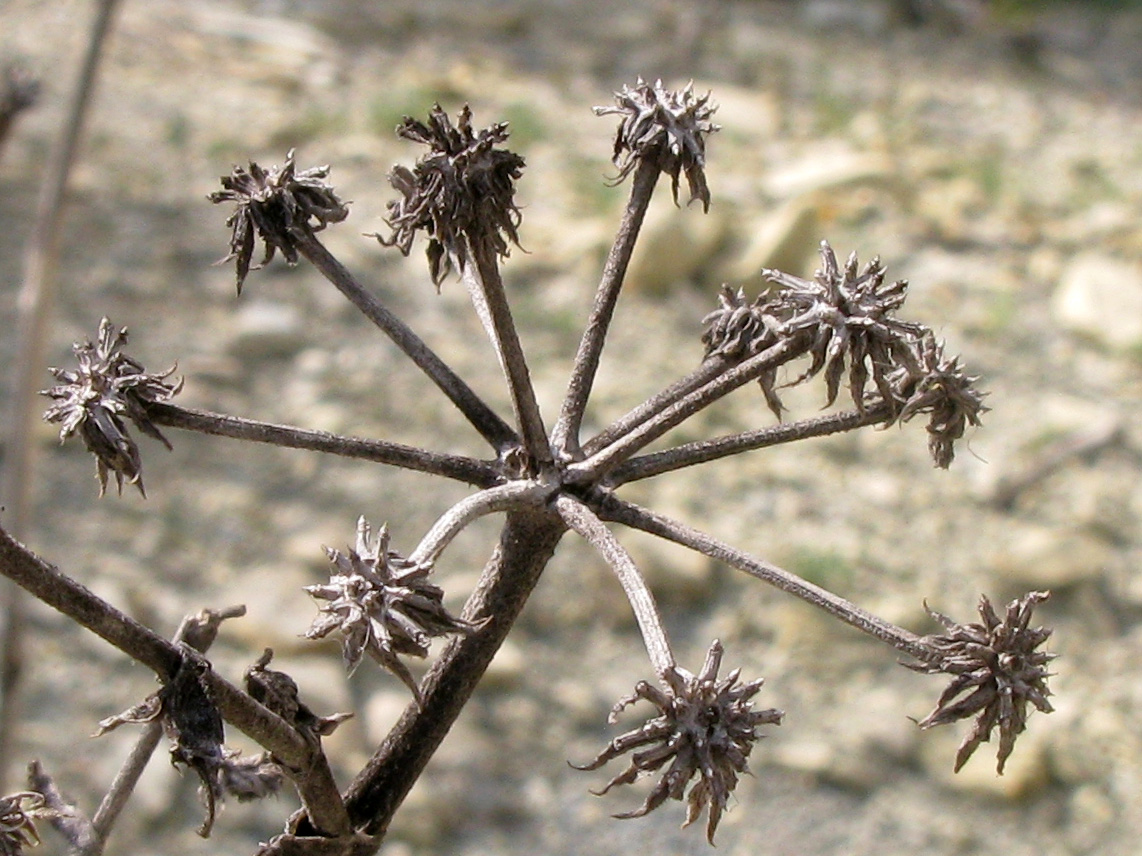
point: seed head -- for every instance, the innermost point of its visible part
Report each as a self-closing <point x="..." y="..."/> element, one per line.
<point x="704" y="727"/>
<point x="382" y="604"/>
<point x="668" y="127"/>
<point x="277" y="205"/>
<point x="462" y="190"/>
<point x="94" y="400"/>
<point x="737" y="330"/>
<point x="998" y="671"/>
<point x="18" y="813"/>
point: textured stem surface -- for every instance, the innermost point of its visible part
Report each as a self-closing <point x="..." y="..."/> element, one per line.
<point x="565" y="436"/>
<point x="691" y="454"/>
<point x="656" y="524"/>
<point x="491" y="427"/>
<point x="458" y="467"/>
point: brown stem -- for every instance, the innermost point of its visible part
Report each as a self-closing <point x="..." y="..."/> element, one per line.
<point x="565" y="436"/>
<point x="458" y="467"/>
<point x="902" y="640"/>
<point x="483" y="276"/>
<point x="34" y="307"/>
<point x="526" y="544"/>
<point x="599" y="464"/>
<point x="691" y="454"/>
<point x="305" y="762"/>
<point x="491" y="427"/>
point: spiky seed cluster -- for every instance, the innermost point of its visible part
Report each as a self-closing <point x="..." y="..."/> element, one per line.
<point x="276" y="205"/>
<point x="382" y="605"/>
<point x="668" y="127"/>
<point x="947" y="394"/>
<point x="94" y="400"/>
<point x="18" y="813"/>
<point x="737" y="330"/>
<point x="194" y="726"/>
<point x="461" y="191"/>
<point x="998" y="672"/>
<point x="705" y="727"/>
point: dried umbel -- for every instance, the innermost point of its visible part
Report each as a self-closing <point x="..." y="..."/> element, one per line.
<point x="667" y="127"/>
<point x="705" y="727"/>
<point x="998" y="672"/>
<point x="277" y="206"/>
<point x="947" y="394"/>
<point x="94" y="400"/>
<point x="17" y="827"/>
<point x="849" y="314"/>
<point x="382" y="605"/>
<point x="462" y="190"/>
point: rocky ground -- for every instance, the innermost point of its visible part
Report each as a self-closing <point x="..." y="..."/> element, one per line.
<point x="994" y="164"/>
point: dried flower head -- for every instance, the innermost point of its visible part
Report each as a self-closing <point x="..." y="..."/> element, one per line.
<point x="668" y="127"/>
<point x="17" y="827"/>
<point x="848" y="312"/>
<point x="277" y="205"/>
<point x="947" y="394"/>
<point x="704" y="727"/>
<point x="998" y="671"/>
<point x="94" y="400"/>
<point x="462" y="190"/>
<point x="382" y="604"/>
<point x="737" y="330"/>
<point x="278" y="692"/>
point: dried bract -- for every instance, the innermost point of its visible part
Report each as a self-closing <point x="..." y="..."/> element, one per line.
<point x="17" y="815"/>
<point x="998" y="672"/>
<point x="665" y="126"/>
<point x="947" y="394"/>
<point x="704" y="727"/>
<point x="382" y="605"/>
<point x="94" y="400"/>
<point x="278" y="206"/>
<point x="849" y="315"/>
<point x="737" y="330"/>
<point x="462" y="190"/>
<point x="278" y="692"/>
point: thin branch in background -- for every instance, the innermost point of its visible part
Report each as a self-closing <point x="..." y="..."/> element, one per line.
<point x="35" y="305"/>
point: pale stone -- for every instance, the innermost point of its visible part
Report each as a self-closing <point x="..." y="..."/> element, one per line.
<point x="1101" y="297"/>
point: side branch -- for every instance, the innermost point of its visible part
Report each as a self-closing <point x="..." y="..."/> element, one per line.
<point x="491" y="427"/>
<point x="565" y="436"/>
<point x="702" y="451"/>
<point x="580" y="518"/>
<point x="457" y="467"/>
<point x="902" y="640"/>
<point x="311" y="772"/>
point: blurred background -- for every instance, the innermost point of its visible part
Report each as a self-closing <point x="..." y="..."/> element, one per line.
<point x="988" y="152"/>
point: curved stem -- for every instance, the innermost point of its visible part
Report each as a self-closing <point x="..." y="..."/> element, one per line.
<point x="565" y="435"/>
<point x="457" y="467"/>
<point x="452" y="523"/>
<point x="584" y="521"/>
<point x="902" y="640"/>
<point x="491" y="427"/>
<point x="691" y="454"/>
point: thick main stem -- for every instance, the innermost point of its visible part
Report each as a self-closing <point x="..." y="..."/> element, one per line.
<point x="456" y="467"/>
<point x="526" y="545"/>
<point x="484" y="276"/>
<point x="491" y="427"/>
<point x="902" y="640"/>
<point x="565" y="435"/>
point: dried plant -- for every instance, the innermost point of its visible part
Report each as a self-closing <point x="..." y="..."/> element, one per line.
<point x="843" y="322"/>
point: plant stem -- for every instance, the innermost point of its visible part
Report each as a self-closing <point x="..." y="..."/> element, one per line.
<point x="482" y="277"/>
<point x="457" y="467"/>
<point x="34" y="306"/>
<point x="305" y="762"/>
<point x="526" y="544"/>
<point x="584" y="521"/>
<point x="599" y="464"/>
<point x="491" y="427"/>
<point x="452" y="523"/>
<point x="691" y="454"/>
<point x="709" y="369"/>
<point x="565" y="436"/>
<point x="629" y="514"/>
